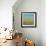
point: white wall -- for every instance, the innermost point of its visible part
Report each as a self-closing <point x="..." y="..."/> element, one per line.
<point x="6" y="18"/>
<point x="35" y="34"/>
<point x="43" y="22"/>
<point x="6" y="13"/>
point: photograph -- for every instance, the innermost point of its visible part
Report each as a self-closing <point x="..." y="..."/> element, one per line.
<point x="28" y="19"/>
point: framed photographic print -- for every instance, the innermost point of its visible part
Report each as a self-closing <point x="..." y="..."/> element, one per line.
<point x="28" y="19"/>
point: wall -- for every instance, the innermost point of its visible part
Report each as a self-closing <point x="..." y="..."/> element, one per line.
<point x="6" y="13"/>
<point x="6" y="16"/>
<point x="35" y="34"/>
<point x="43" y="22"/>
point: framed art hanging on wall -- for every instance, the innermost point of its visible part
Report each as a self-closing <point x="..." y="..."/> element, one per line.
<point x="28" y="19"/>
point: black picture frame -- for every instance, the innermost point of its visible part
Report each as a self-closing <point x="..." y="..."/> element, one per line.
<point x="28" y="19"/>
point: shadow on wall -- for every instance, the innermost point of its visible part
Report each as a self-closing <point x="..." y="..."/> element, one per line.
<point x="28" y="6"/>
<point x="37" y="41"/>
